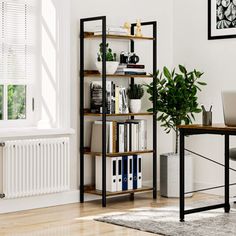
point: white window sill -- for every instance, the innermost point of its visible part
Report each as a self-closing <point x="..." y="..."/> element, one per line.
<point x="33" y="132"/>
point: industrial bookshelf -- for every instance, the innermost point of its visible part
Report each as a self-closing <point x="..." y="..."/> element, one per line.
<point x="85" y="112"/>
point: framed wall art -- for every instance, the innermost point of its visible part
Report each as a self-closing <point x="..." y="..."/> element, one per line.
<point x="221" y="19"/>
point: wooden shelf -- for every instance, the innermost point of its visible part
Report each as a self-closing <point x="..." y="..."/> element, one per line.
<point x="98" y="192"/>
<point x="127" y="114"/>
<point x="117" y="75"/>
<point x="91" y="35"/>
<point x="117" y="154"/>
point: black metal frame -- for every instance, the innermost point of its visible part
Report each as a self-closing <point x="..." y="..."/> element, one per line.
<point x="210" y="37"/>
<point x="104" y="38"/>
<point x="191" y="131"/>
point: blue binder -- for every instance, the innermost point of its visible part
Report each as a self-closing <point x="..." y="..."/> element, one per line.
<point x="135" y="172"/>
<point x="124" y="173"/>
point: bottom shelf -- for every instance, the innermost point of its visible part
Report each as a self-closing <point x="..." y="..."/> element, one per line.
<point x="98" y="192"/>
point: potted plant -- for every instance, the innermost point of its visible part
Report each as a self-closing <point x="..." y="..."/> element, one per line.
<point x="111" y="63"/>
<point x="176" y="104"/>
<point x="135" y="92"/>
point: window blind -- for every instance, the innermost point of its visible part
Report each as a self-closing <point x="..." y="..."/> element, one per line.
<point x="17" y="39"/>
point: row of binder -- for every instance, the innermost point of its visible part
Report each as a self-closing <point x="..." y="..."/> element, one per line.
<point x="122" y="173"/>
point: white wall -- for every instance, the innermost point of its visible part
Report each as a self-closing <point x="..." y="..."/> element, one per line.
<point x="217" y="60"/>
<point x="117" y="13"/>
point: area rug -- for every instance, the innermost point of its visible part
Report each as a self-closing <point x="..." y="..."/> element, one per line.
<point x="166" y="222"/>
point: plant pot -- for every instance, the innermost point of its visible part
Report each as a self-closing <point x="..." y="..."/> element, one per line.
<point x="169" y="175"/>
<point x="135" y="105"/>
<point x="111" y="67"/>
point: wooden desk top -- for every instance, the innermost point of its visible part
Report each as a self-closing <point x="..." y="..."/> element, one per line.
<point x="214" y="127"/>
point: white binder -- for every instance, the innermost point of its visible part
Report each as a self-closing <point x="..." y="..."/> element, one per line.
<point x="130" y="172"/>
<point x="111" y="173"/>
<point x="119" y="174"/>
<point x="139" y="184"/>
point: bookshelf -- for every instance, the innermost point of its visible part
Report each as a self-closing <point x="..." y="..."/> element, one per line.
<point x="86" y="112"/>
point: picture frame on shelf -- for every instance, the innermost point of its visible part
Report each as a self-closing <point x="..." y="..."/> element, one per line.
<point x="221" y="19"/>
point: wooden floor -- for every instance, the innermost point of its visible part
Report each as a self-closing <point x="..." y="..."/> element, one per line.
<point x="77" y="219"/>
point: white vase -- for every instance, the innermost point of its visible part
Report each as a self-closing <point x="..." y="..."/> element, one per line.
<point x="135" y="105"/>
<point x="111" y="67"/>
<point x="169" y="175"/>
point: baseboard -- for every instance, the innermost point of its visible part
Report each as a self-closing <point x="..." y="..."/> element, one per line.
<point x="28" y="203"/>
<point x="48" y="200"/>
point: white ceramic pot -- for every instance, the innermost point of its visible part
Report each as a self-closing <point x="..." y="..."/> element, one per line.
<point x="111" y="67"/>
<point x="169" y="175"/>
<point x="135" y="105"/>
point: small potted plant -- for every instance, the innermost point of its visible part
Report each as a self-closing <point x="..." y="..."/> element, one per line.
<point x="135" y="92"/>
<point x="111" y="63"/>
<point x="176" y="104"/>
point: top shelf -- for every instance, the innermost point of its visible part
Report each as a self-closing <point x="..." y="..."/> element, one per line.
<point x="91" y="35"/>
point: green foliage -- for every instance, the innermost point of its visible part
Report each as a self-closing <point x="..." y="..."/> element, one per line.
<point x="135" y="91"/>
<point x="110" y="56"/>
<point x="16" y="102"/>
<point x="176" y="98"/>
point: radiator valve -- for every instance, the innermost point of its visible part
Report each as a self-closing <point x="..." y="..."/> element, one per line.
<point x="2" y="195"/>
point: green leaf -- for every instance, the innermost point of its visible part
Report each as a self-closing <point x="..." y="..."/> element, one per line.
<point x="167" y="73"/>
<point x="182" y="69"/>
<point x="202" y="83"/>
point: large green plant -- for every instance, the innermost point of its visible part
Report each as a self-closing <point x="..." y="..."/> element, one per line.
<point x="176" y="98"/>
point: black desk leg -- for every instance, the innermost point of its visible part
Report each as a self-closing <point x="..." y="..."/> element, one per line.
<point x="227" y="205"/>
<point x="181" y="171"/>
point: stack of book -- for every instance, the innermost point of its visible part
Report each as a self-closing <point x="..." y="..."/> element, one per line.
<point x="131" y="69"/>
<point x="122" y="136"/>
<point x="115" y="30"/>
<point x="116" y="98"/>
<point x="122" y="173"/>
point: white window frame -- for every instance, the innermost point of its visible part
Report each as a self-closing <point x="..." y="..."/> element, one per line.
<point x="32" y="93"/>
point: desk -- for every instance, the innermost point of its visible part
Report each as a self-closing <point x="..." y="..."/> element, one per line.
<point x="218" y="129"/>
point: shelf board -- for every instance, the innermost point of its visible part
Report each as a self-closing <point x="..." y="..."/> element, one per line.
<point x="126" y="114"/>
<point x="117" y="75"/>
<point x="91" y="35"/>
<point x="116" y="154"/>
<point x="98" y="192"/>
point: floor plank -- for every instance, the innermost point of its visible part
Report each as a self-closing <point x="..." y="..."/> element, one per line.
<point x="77" y="219"/>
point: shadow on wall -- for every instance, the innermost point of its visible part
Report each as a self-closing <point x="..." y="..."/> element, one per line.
<point x="49" y="61"/>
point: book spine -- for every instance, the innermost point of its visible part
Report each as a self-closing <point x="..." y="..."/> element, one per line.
<point x="136" y="66"/>
<point x="117" y="100"/>
<point x="134" y="73"/>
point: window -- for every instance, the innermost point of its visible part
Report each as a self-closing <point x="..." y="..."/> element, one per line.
<point x="18" y="56"/>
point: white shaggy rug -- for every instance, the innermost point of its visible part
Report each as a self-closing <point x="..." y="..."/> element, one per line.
<point x="165" y="221"/>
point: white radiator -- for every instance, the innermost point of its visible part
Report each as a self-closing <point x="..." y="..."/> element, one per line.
<point x="35" y="167"/>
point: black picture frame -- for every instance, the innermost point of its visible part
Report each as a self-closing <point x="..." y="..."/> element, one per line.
<point x="210" y="27"/>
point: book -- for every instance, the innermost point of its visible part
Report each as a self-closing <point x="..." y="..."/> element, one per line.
<point x="124" y="173"/>
<point x="135" y="172"/>
<point x="135" y="73"/>
<point x="96" y="96"/>
<point x="111" y="173"/>
<point x="96" y="138"/>
<point x="119" y="174"/>
<point x="136" y="66"/>
<point x="142" y="133"/>
<point x="139" y="172"/>
<point x="111" y="136"/>
<point x="130" y="172"/>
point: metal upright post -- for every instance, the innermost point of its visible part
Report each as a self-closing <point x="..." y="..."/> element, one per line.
<point x="104" y="110"/>
<point x="181" y="171"/>
<point x="132" y="81"/>
<point x="227" y="205"/>
<point x="81" y="110"/>
<point x="154" y="111"/>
